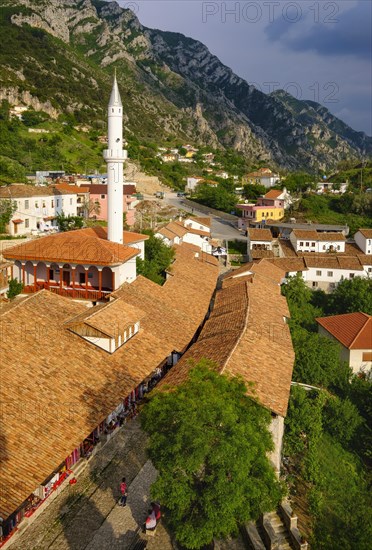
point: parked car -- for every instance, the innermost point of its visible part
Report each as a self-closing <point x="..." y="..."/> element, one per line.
<point x="180" y="194"/>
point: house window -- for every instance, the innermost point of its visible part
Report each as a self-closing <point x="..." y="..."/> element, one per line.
<point x="307" y="244"/>
<point x="27" y="223"/>
<point x="324" y="246"/>
<point x="351" y="275"/>
<point x="312" y="244"/>
<point x="51" y="274"/>
<point x="52" y="204"/>
<point x="70" y="202"/>
<point x="370" y="270"/>
<point x="338" y="247"/>
<point x="103" y="196"/>
<point x="44" y="205"/>
<point x="27" y="204"/>
<point x="57" y="203"/>
<point x="315" y="284"/>
<point x="301" y="243"/>
<point x="332" y="285"/>
<point x="36" y="204"/>
<point x="318" y="273"/>
<point x="329" y="273"/>
<point x="367" y="356"/>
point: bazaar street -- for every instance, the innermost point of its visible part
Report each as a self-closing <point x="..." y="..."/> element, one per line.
<point x="87" y="516"/>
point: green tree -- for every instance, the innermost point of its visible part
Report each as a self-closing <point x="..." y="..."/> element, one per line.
<point x="252" y="191"/>
<point x="7" y="209"/>
<point x="69" y="223"/>
<point x="14" y="289"/>
<point x="209" y="443"/>
<point x="299" y="298"/>
<point x="297" y="182"/>
<point x="318" y="360"/>
<point x="351" y="295"/>
<point x="158" y="258"/>
<point x="341" y="419"/>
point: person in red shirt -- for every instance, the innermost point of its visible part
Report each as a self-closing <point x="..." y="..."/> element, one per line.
<point x="124" y="493"/>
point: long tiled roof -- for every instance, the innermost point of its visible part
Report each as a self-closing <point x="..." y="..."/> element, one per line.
<point x="246" y="336"/>
<point x="56" y="387"/>
<point x="273" y="194"/>
<point x="353" y="330"/>
<point x="312" y="235"/>
<point x="203" y="221"/>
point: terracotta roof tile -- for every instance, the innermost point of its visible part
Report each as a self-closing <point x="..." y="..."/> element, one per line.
<point x="310" y="235"/>
<point x="353" y="330"/>
<point x="57" y="387"/>
<point x="203" y="221"/>
<point x="260" y="234"/>
<point x="22" y="190"/>
<point x="367" y="233"/>
<point x="273" y="194"/>
<point x="78" y="247"/>
<point x="247" y="337"/>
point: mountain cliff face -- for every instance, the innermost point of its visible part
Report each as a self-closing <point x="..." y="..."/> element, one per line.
<point x="173" y="87"/>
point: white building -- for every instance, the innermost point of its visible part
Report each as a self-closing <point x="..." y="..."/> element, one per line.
<point x="329" y="187"/>
<point x="37" y="207"/>
<point x="313" y="241"/>
<point x="192" y="182"/>
<point x="263" y="176"/>
<point x="204" y="224"/>
<point x="259" y="239"/>
<point x="353" y="332"/>
<point x="363" y="239"/>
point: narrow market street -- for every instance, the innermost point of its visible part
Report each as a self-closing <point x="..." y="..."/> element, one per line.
<point x="87" y="516"/>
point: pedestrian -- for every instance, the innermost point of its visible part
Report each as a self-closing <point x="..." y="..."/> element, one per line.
<point x="124" y="493"/>
<point x="150" y="523"/>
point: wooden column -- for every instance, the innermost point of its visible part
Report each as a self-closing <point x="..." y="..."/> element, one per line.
<point x="60" y="277"/>
<point x="23" y="274"/>
<point x="73" y="271"/>
<point x="86" y="283"/>
<point x="35" y="278"/>
<point x="99" y="282"/>
<point x="113" y="279"/>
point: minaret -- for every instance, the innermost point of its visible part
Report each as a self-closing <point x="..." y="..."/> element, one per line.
<point x="115" y="156"/>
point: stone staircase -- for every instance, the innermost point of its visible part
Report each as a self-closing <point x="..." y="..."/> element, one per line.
<point x="275" y="530"/>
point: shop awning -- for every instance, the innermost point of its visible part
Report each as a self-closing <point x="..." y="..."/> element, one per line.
<point x="17" y="221"/>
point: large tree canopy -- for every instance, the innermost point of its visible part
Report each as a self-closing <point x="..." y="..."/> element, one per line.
<point x="209" y="442"/>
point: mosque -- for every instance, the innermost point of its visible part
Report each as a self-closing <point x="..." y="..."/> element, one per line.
<point x="88" y="263"/>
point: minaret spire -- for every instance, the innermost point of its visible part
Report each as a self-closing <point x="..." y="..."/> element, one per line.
<point x="114" y="157"/>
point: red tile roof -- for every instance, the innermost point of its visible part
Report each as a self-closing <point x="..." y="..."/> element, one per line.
<point x="273" y="194"/>
<point x="353" y="330"/>
<point x="83" y="246"/>
<point x="260" y="234"/>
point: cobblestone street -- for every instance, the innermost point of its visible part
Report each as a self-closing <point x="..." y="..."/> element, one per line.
<point x="87" y="516"/>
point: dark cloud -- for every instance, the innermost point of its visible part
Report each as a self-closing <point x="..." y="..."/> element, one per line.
<point x="350" y="34"/>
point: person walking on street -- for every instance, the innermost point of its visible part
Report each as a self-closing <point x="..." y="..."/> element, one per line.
<point x="124" y="493"/>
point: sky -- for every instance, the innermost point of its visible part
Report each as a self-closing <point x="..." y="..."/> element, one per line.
<point x="318" y="49"/>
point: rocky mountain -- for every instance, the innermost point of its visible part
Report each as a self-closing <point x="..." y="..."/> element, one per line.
<point x="58" y="56"/>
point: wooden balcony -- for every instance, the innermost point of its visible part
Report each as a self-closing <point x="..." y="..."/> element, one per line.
<point x="79" y="292"/>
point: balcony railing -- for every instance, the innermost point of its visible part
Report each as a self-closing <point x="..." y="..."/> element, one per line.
<point x="91" y="294"/>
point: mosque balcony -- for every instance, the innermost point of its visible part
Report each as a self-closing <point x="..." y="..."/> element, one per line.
<point x="115" y="155"/>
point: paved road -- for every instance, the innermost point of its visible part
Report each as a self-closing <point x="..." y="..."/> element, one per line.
<point x="221" y="229"/>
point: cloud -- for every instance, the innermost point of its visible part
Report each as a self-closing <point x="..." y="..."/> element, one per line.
<point x="349" y="34"/>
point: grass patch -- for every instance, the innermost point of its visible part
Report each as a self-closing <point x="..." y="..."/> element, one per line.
<point x="237" y="247"/>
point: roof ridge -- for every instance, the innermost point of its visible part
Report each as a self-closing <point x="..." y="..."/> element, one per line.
<point x="246" y="283"/>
